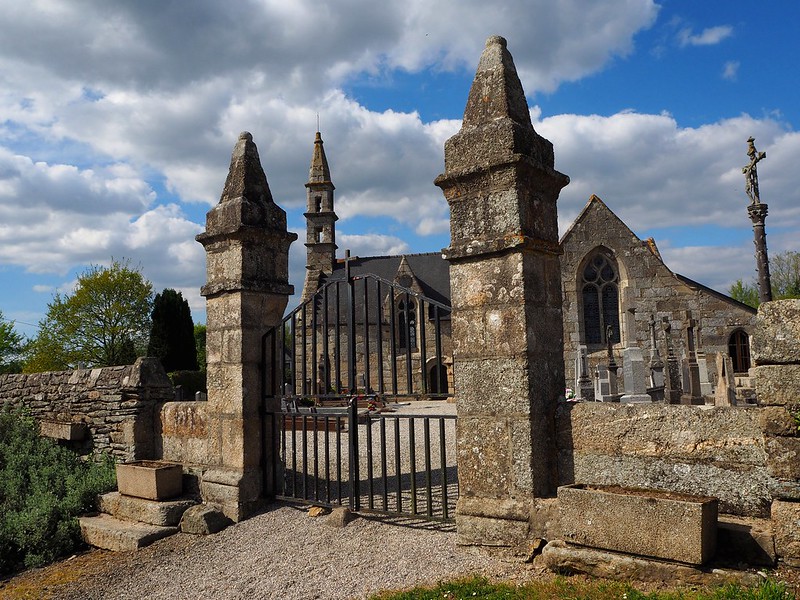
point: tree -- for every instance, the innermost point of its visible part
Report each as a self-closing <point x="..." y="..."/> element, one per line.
<point x="11" y="347"/>
<point x="746" y="293"/>
<point x="200" y="343"/>
<point x="104" y="322"/>
<point x="784" y="278"/>
<point x="172" y="332"/>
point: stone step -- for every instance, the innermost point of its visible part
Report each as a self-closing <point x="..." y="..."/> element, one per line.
<point x="152" y="512"/>
<point x="110" y="533"/>
<point x="745" y="382"/>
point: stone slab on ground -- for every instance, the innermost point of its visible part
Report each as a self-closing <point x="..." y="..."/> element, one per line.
<point x="110" y="533"/>
<point x="164" y="514"/>
<point x="560" y="557"/>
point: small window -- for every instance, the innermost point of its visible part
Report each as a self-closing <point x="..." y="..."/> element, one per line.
<point x="407" y="324"/>
<point x="318" y="203"/>
<point x="600" y="300"/>
<point x="739" y="351"/>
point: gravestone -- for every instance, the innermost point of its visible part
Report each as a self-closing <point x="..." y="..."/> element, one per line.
<point x="583" y="384"/>
<point x="602" y="390"/>
<point x="725" y="394"/>
<point x="694" y="395"/>
<point x="656" y="364"/>
<point x="673" y="389"/>
<point x="634" y="375"/>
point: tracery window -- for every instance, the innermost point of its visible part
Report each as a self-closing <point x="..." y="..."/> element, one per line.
<point x="600" y="295"/>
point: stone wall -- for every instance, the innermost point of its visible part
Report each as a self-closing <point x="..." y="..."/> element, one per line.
<point x="727" y="452"/>
<point x="114" y="404"/>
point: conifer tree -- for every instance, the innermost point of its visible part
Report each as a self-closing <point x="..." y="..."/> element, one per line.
<point x="172" y="332"/>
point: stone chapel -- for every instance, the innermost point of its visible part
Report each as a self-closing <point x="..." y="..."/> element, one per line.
<point x="616" y="287"/>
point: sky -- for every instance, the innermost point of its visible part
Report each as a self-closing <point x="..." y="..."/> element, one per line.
<point x="117" y="121"/>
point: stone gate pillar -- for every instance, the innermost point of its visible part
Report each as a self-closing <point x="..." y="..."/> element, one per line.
<point x="246" y="291"/>
<point x="507" y="327"/>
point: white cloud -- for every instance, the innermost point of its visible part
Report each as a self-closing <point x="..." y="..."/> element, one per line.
<point x="710" y="36"/>
<point x="730" y="70"/>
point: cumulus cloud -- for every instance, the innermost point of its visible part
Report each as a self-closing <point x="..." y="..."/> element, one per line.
<point x="710" y="36"/>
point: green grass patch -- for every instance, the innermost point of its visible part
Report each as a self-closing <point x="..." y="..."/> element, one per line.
<point x="44" y="487"/>
<point x="579" y="589"/>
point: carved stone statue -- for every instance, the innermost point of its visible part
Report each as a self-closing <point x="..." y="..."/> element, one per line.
<point x="750" y="171"/>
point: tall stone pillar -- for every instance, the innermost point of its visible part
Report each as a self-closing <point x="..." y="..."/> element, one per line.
<point x="505" y="283"/>
<point x="246" y="291"/>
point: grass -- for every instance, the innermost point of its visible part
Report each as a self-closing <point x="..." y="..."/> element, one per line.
<point x="571" y="589"/>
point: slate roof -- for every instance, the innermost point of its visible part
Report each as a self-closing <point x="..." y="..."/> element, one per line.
<point x="431" y="270"/>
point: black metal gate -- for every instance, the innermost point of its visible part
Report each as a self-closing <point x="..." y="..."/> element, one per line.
<point x="335" y="372"/>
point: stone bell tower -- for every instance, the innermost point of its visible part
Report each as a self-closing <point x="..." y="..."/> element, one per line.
<point x="320" y="221"/>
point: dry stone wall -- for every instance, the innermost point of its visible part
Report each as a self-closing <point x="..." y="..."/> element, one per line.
<point x="114" y="404"/>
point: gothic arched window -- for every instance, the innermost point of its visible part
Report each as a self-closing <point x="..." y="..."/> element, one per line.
<point x="600" y="296"/>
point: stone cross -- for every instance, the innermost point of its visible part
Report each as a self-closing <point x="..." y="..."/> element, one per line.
<point x="694" y="396"/>
<point x="673" y="380"/>
<point x="585" y="388"/>
<point x="706" y="389"/>
<point x="758" y="215"/>
<point x="656" y="364"/>
<point x="613" y="386"/>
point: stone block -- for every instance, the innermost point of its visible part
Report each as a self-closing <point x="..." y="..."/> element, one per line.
<point x="204" y="519"/>
<point x="151" y="479"/>
<point x="63" y="431"/>
<point x="151" y="512"/>
<point x="776" y="420"/>
<point x="484" y="456"/>
<point x="109" y="533"/>
<point x="786" y="526"/>
<point x="634" y="521"/>
<point x="783" y="457"/>
<point x="776" y="336"/>
<point x="777" y="384"/>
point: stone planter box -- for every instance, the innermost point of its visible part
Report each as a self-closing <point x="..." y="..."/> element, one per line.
<point x="659" y="524"/>
<point x="150" y="479"/>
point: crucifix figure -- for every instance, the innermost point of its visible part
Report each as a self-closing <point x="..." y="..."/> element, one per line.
<point x="751" y="171"/>
<point x="758" y="214"/>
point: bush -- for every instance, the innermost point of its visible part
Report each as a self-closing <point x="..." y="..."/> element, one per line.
<point x="43" y="489"/>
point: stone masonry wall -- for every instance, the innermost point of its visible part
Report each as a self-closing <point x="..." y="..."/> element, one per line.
<point x="727" y="452"/>
<point x="115" y="404"/>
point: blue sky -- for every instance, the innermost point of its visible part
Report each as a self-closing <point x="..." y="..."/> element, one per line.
<point x="117" y="121"/>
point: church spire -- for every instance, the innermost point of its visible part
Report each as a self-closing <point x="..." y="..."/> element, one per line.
<point x="319" y="171"/>
<point x="320" y="220"/>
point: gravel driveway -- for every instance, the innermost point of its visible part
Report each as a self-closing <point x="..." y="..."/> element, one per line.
<point x="285" y="553"/>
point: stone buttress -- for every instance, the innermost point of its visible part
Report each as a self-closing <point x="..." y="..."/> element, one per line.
<point x="505" y="278"/>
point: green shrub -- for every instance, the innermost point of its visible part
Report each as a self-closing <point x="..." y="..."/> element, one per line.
<point x="44" y="487"/>
<point x="190" y="381"/>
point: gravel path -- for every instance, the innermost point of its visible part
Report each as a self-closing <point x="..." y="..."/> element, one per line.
<point x="285" y="553"/>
